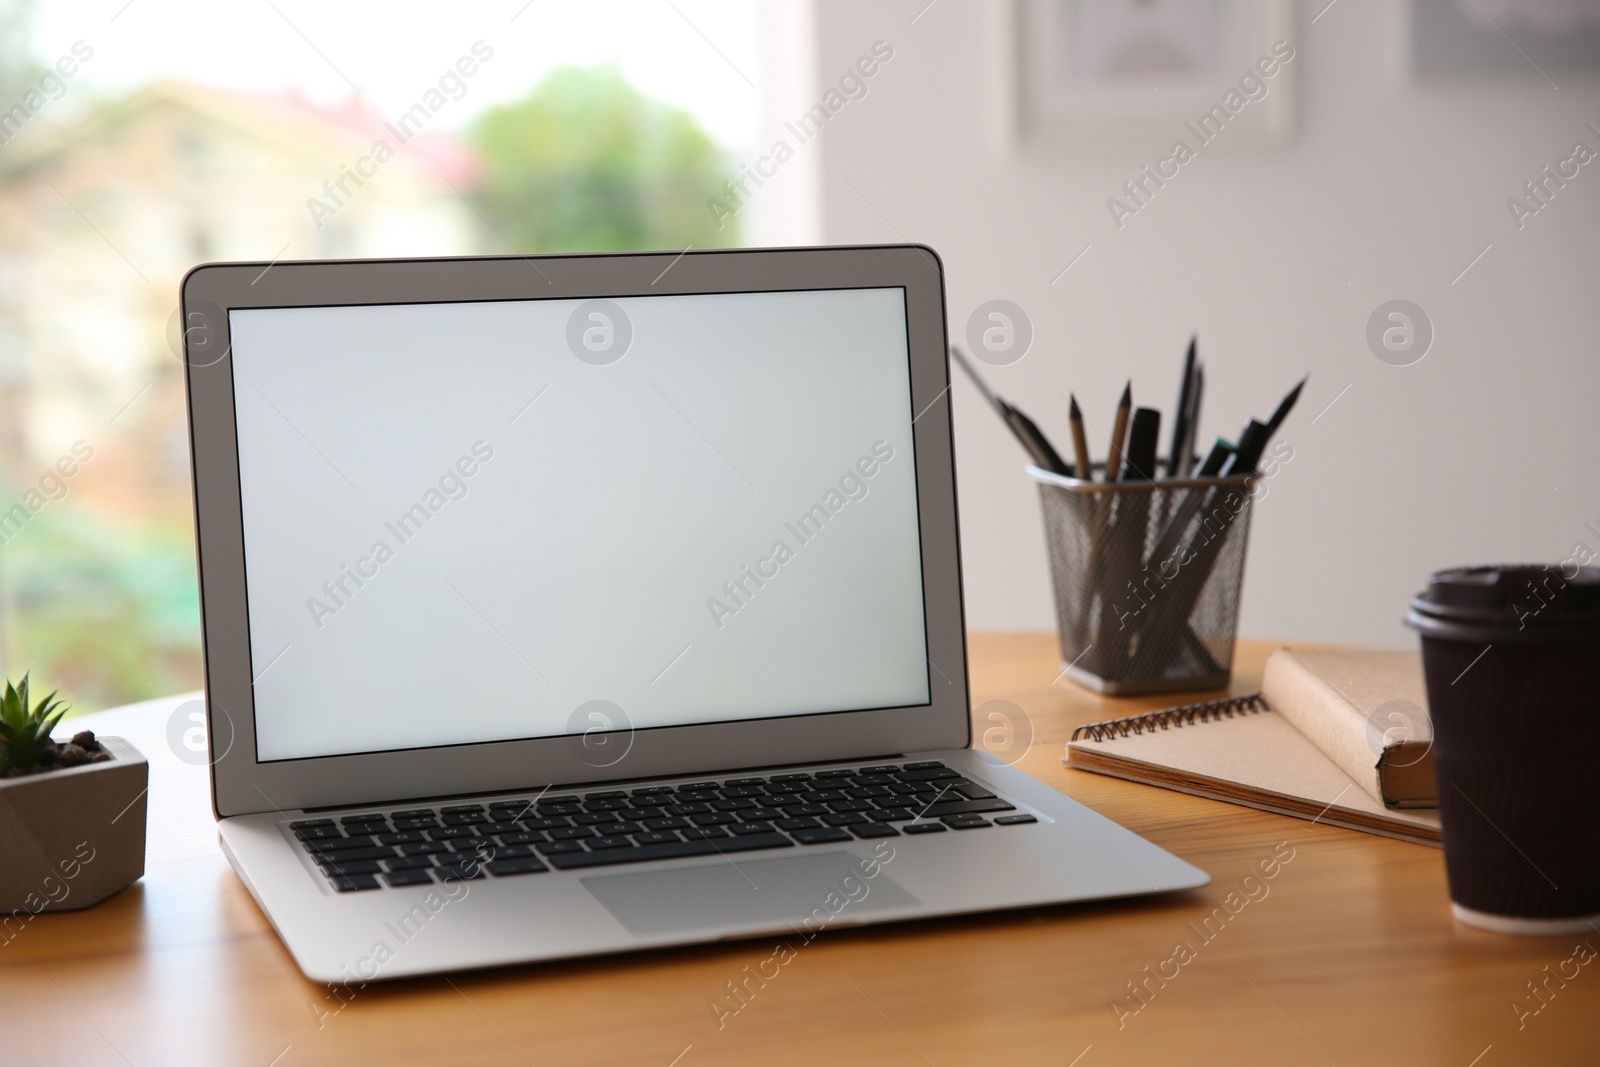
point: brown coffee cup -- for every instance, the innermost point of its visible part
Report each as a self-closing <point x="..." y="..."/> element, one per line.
<point x="1512" y="660"/>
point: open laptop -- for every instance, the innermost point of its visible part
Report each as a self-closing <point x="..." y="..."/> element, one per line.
<point x="563" y="605"/>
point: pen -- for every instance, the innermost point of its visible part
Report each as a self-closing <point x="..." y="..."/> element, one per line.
<point x="1023" y="428"/>
<point x="1284" y="407"/>
<point x="1215" y="459"/>
<point x="1080" y="444"/>
<point x="1143" y="437"/>
<point x="1247" y="453"/>
<point x="1186" y="461"/>
<point x="1119" y="432"/>
<point x="1180" y="411"/>
<point x="1033" y="439"/>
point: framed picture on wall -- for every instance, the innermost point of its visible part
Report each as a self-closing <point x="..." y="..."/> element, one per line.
<point x="1124" y="71"/>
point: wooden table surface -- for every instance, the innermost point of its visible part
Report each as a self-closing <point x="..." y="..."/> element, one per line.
<point x="1349" y="958"/>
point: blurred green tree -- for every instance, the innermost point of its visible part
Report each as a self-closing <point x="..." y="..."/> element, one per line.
<point x="586" y="163"/>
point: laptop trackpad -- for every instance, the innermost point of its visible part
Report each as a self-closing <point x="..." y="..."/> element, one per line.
<point x="826" y="888"/>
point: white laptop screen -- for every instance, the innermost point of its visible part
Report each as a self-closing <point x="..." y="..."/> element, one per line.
<point x="470" y="522"/>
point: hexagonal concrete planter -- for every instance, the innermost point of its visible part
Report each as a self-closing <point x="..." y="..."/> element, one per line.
<point x="70" y="838"/>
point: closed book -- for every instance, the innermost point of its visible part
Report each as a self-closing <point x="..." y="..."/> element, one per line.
<point x="1366" y="711"/>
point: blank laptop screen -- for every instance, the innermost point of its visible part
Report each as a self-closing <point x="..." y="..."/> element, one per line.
<point x="470" y="522"/>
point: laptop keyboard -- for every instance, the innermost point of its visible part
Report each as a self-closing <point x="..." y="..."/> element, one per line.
<point x="601" y="828"/>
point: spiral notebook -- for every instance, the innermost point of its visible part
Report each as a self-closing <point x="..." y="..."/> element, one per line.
<point x="1240" y="751"/>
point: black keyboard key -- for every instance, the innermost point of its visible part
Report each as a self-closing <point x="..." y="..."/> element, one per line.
<point x="791" y="778"/>
<point x="545" y="822"/>
<point x="852" y="805"/>
<point x="542" y="801"/>
<point x="340" y="844"/>
<point x="455" y="833"/>
<point x="606" y="805"/>
<point x="409" y="863"/>
<point x="742" y="828"/>
<point x="355" y="883"/>
<point x="691" y="786"/>
<point x="651" y="790"/>
<point x="463" y="818"/>
<point x="553" y="848"/>
<point x="619" y="828"/>
<point x="822" y="835"/>
<point x="456" y="809"/>
<point x="366" y="828"/>
<point x="974" y="791"/>
<point x="320" y="833"/>
<point x="841" y="773"/>
<point x="606" y="794"/>
<point x="849" y="818"/>
<point x="965" y="807"/>
<point x="1014" y="820"/>
<point x="512" y="852"/>
<point x="869" y="793"/>
<point x="307" y="824"/>
<point x="335" y="870"/>
<point x="965" y="822"/>
<point x="864" y="781"/>
<point x="570" y="833"/>
<point x="594" y="818"/>
<point x="742" y="782"/>
<point x="880" y="768"/>
<point x="703" y="833"/>
<point x="806" y="823"/>
<point x="794" y="811"/>
<point x="924" y="765"/>
<point x="735" y="791"/>
<point x="409" y="876"/>
<point x="416" y="824"/>
<point x="457" y="872"/>
<point x="891" y="815"/>
<point x="736" y="804"/>
<point x="643" y="853"/>
<point x="641" y="812"/>
<point x="713" y="818"/>
<point x="698" y="807"/>
<point x="763" y="814"/>
<point x="351" y="855"/>
<point x="414" y="813"/>
<point x="424" y="848"/>
<point x="923" y="828"/>
<point x="609" y="842"/>
<point x="523" y="837"/>
<point x="822" y="796"/>
<point x="500" y="827"/>
<point x="560" y="809"/>
<point x="371" y="816"/>
<point x="403" y="837"/>
<point x="476" y="846"/>
<point x="929" y="775"/>
<point x="874" y="829"/>
<point x="501" y="868"/>
<point x="656" y="837"/>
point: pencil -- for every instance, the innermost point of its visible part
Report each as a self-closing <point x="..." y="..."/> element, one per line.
<point x="1119" y="433"/>
<point x="1080" y="444"/>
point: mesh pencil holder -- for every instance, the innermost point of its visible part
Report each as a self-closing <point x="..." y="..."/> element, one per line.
<point x="1147" y="577"/>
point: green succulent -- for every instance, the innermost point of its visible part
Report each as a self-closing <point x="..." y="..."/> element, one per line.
<point x="25" y="731"/>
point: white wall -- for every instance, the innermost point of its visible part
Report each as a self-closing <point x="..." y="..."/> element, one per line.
<point x="1398" y="185"/>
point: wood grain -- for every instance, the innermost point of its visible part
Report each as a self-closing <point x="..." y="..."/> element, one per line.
<point x="1346" y="956"/>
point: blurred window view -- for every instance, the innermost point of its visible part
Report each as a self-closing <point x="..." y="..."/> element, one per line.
<point x="131" y="150"/>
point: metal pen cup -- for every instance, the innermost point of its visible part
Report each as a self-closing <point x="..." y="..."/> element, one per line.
<point x="1147" y="579"/>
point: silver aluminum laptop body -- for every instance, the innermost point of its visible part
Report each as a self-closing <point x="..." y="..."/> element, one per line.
<point x="565" y="605"/>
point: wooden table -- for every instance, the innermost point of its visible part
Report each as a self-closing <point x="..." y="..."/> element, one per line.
<point x="1350" y="958"/>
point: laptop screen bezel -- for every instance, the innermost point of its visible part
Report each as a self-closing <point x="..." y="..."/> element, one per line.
<point x="241" y="784"/>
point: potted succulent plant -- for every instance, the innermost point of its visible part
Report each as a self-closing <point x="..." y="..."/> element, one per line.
<point x="72" y="813"/>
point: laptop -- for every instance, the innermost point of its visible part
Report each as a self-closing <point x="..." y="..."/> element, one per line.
<point x="578" y="604"/>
